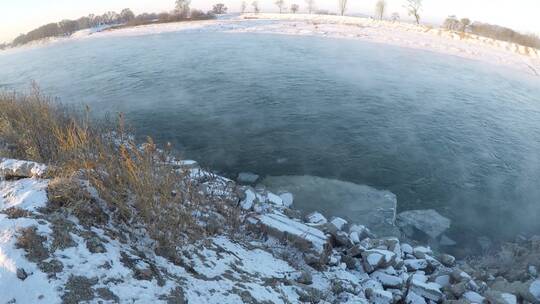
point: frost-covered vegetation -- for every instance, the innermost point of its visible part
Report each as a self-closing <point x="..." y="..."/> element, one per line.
<point x="134" y="181"/>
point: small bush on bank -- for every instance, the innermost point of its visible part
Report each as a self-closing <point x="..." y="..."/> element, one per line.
<point x="135" y="181"/>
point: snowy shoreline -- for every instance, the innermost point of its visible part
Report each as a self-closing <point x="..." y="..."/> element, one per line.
<point x="487" y="50"/>
<point x="276" y="257"/>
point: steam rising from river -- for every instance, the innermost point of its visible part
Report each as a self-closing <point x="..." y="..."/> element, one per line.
<point x="439" y="132"/>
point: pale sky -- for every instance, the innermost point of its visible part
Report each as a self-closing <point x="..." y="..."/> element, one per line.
<point x="20" y="16"/>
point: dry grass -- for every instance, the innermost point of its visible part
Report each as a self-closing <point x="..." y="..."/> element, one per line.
<point x="512" y="260"/>
<point x="133" y="180"/>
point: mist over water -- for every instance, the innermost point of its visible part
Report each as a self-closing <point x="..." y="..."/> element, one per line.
<point x="438" y="131"/>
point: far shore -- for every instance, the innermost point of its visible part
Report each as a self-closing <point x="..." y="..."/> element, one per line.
<point x="402" y="34"/>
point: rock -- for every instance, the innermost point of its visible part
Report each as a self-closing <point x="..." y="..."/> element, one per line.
<point x="459" y="275"/>
<point x="362" y="231"/>
<point x="473" y="297"/>
<point x="374" y="208"/>
<point x="306" y="238"/>
<point x="422" y="224"/>
<point x="342" y="239"/>
<point x="354" y="237"/>
<point x="274" y="199"/>
<point x="287" y="199"/>
<point x="458" y="289"/>
<point x="421" y="252"/>
<point x="356" y="251"/>
<point x="429" y="291"/>
<point x="379" y="296"/>
<point x="534" y="290"/>
<point x="249" y="200"/>
<point x="509" y="298"/>
<point x="387" y="280"/>
<point x="95" y="245"/>
<point x="377" y="258"/>
<point x="448" y="260"/>
<point x="443" y="280"/>
<point x="496" y="297"/>
<point x="315" y="218"/>
<point x="337" y="224"/>
<point x="533" y="271"/>
<point x="305" y="278"/>
<point x="247" y="178"/>
<point x="21" y="274"/>
<point x="406" y="248"/>
<point x="413" y="298"/>
<point x="12" y="168"/>
<point x="415" y="264"/>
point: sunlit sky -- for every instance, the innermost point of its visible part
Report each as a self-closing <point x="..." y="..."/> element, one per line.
<point x="20" y="16"/>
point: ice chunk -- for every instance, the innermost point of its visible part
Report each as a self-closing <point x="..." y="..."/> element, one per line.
<point x="362" y="204"/>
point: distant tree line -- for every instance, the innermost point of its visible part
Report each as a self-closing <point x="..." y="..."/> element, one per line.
<point x="126" y="17"/>
<point x="491" y="31"/>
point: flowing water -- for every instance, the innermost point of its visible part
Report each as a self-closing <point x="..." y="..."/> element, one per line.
<point x="438" y="131"/>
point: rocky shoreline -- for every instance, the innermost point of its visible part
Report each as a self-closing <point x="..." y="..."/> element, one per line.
<point x="276" y="254"/>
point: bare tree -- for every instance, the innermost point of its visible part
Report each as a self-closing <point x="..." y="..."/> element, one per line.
<point x="465" y="22"/>
<point x="182" y="7"/>
<point x="127" y="15"/>
<point x="395" y="17"/>
<point x="255" y="5"/>
<point x="294" y="8"/>
<point x="310" y="5"/>
<point x="243" y="7"/>
<point x="280" y="4"/>
<point x="342" y="6"/>
<point x="380" y="8"/>
<point x="451" y="23"/>
<point x="413" y="8"/>
<point x="219" y="9"/>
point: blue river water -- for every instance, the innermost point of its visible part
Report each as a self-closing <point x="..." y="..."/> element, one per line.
<point x="439" y="131"/>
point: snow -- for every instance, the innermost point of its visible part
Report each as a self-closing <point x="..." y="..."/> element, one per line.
<point x="28" y="194"/>
<point x="20" y="168"/>
<point x="282" y="224"/>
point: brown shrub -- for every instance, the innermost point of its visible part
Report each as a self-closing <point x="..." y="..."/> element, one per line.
<point x="135" y="182"/>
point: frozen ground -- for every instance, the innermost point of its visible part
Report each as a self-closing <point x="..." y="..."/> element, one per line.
<point x="394" y="33"/>
<point x="52" y="256"/>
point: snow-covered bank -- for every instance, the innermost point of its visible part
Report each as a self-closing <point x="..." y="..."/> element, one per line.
<point x="49" y="255"/>
<point x="400" y="34"/>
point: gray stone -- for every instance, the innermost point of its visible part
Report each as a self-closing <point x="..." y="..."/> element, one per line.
<point x="21" y="274"/>
<point x="316" y="218"/>
<point x="415" y="264"/>
<point x="413" y="298"/>
<point x="306" y="238"/>
<point x="377" y="258"/>
<point x="448" y="260"/>
<point x="473" y="297"/>
<point x="387" y="280"/>
<point x="305" y="278"/>
<point x="379" y="296"/>
<point x="431" y="291"/>
<point x="421" y="223"/>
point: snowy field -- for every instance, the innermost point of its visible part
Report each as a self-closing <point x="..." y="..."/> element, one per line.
<point x="393" y="33"/>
